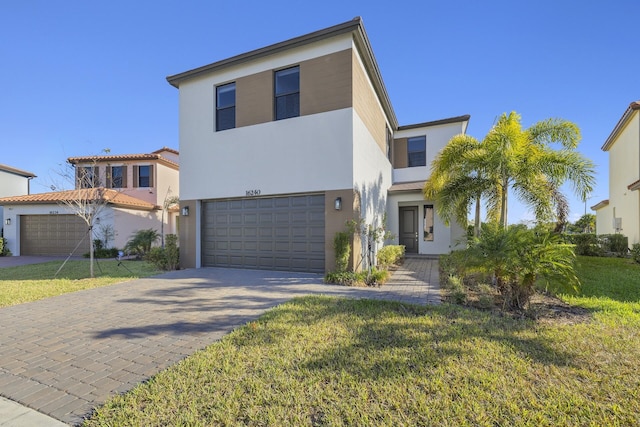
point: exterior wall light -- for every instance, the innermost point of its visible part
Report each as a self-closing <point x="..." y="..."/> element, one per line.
<point x="338" y="203"/>
<point x="7" y="221"/>
<point x="185" y="211"/>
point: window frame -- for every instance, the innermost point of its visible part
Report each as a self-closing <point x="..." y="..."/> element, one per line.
<point x="428" y="217"/>
<point x="286" y="94"/>
<point x="223" y="109"/>
<point x="137" y="176"/>
<point x="423" y="138"/>
<point x="122" y="178"/>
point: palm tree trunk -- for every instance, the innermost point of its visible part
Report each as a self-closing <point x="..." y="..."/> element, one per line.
<point x="503" y="208"/>
<point x="476" y="224"/>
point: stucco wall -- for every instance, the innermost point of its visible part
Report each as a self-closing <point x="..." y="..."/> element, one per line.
<point x="624" y="169"/>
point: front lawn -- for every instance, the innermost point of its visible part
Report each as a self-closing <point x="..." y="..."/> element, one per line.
<point x="322" y="361"/>
<point x="27" y="283"/>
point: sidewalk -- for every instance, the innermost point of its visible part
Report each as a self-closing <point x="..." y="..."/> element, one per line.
<point x="65" y="355"/>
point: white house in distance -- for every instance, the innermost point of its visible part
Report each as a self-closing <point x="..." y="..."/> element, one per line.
<point x="620" y="213"/>
<point x="286" y="143"/>
<point x="13" y="182"/>
<point x="136" y="189"/>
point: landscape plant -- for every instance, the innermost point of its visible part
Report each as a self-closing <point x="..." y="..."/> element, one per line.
<point x="141" y="241"/>
<point x="167" y="258"/>
<point x="521" y="259"/>
<point x="390" y="255"/>
<point x="510" y="160"/>
<point x="342" y="250"/>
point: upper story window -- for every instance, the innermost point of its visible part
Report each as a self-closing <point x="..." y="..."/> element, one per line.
<point x="143" y="176"/>
<point x="117" y="177"/>
<point x="87" y="176"/>
<point x="287" y="93"/>
<point x="417" y="151"/>
<point x="226" y="107"/>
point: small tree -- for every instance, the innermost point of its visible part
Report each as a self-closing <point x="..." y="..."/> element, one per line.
<point x="371" y="235"/>
<point x="88" y="200"/>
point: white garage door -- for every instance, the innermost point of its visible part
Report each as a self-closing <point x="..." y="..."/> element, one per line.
<point x="53" y="235"/>
<point x="277" y="233"/>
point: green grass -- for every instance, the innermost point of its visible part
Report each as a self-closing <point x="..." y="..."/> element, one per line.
<point x="610" y="286"/>
<point x="322" y="361"/>
<point x="27" y="283"/>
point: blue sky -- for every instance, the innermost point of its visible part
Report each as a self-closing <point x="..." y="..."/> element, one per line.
<point x="82" y="76"/>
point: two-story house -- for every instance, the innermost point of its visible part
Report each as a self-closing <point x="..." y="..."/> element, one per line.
<point x="286" y="143"/>
<point x="13" y="182"/>
<point x="620" y="213"/>
<point x="137" y="188"/>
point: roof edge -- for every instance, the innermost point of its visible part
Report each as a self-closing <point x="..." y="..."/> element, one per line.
<point x="343" y="28"/>
<point x="16" y="171"/>
<point x="457" y="119"/>
<point x="635" y="105"/>
<point x="600" y="205"/>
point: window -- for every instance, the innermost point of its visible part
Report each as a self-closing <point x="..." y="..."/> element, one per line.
<point x="287" y="93"/>
<point x="143" y="176"/>
<point x="417" y="149"/>
<point x="87" y="176"/>
<point x="226" y="107"/>
<point x="428" y="223"/>
<point x="117" y="177"/>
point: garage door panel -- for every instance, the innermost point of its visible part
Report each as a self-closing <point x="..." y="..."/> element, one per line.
<point x="53" y="235"/>
<point x="283" y="233"/>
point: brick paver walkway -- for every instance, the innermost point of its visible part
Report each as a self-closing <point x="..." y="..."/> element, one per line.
<point x="65" y="355"/>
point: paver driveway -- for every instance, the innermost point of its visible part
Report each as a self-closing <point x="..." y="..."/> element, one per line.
<point x="65" y="355"/>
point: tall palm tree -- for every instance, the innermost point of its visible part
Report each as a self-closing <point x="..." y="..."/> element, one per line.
<point x="510" y="158"/>
<point x="457" y="180"/>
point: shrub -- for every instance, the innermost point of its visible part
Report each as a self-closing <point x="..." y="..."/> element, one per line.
<point x="376" y="277"/>
<point x="347" y="278"/>
<point x="4" y="251"/>
<point x="342" y="248"/>
<point x="390" y="255"/>
<point x="103" y="253"/>
<point x="167" y="258"/>
<point x="140" y="242"/>
<point x="617" y="244"/>
<point x="586" y="244"/>
<point x="635" y="252"/>
<point x="457" y="291"/>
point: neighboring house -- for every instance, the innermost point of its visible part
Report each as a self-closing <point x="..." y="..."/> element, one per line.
<point x="620" y="213"/>
<point x="13" y="182"/>
<point x="136" y="187"/>
<point x="286" y="143"/>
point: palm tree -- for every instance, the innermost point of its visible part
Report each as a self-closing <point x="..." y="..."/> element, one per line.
<point x="524" y="161"/>
<point x="457" y="180"/>
<point x="511" y="158"/>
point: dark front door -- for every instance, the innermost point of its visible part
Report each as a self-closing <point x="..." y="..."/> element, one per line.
<point x="409" y="228"/>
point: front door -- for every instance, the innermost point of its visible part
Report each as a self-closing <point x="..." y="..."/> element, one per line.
<point x="409" y="228"/>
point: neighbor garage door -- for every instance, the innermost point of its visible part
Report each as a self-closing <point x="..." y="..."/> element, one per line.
<point x="278" y="233"/>
<point x="53" y="235"/>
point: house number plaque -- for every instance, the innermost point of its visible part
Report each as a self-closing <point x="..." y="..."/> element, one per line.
<point x="253" y="193"/>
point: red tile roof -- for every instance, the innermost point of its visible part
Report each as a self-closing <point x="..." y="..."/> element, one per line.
<point x="112" y="197"/>
<point x="126" y="157"/>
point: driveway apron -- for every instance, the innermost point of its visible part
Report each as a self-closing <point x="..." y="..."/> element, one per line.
<point x="65" y="355"/>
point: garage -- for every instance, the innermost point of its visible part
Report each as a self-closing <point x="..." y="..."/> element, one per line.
<point x="274" y="233"/>
<point x="53" y="235"/>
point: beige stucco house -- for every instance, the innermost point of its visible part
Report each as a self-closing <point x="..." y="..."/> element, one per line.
<point x="136" y="188"/>
<point x="13" y="182"/>
<point x="620" y="213"/>
<point x="286" y="143"/>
